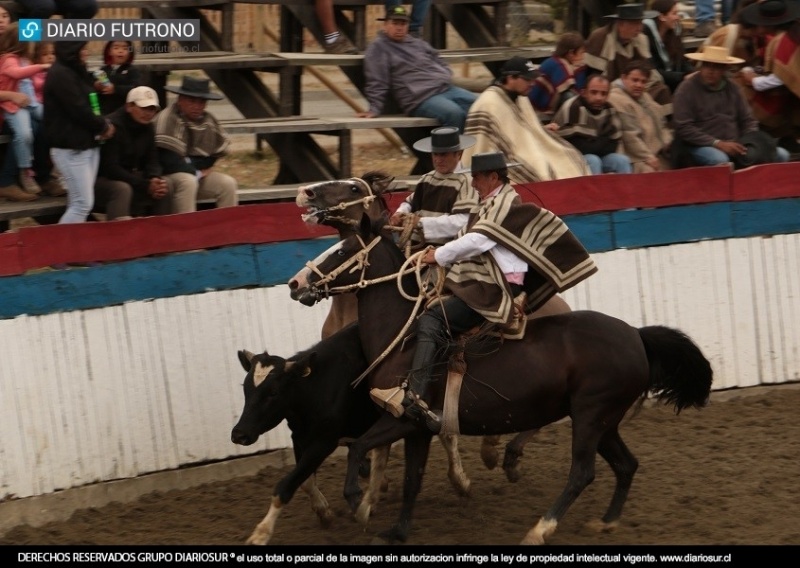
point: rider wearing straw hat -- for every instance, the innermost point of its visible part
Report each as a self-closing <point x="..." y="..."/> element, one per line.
<point x="712" y="120"/>
<point x="488" y="267"/>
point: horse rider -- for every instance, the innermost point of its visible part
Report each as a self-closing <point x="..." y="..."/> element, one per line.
<point x="488" y="267"/>
<point x="443" y="198"/>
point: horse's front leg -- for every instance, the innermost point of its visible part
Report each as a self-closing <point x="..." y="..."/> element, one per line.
<point x="377" y="472"/>
<point x="514" y="450"/>
<point x="455" y="471"/>
<point x="384" y="432"/>
<point x="417" y="447"/>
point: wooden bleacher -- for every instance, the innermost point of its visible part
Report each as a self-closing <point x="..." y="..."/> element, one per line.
<point x="276" y="117"/>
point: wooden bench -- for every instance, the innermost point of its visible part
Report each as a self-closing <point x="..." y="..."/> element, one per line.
<point x="283" y="134"/>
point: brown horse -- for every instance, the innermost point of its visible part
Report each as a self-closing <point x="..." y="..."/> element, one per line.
<point x="341" y="204"/>
<point x="585" y="365"/>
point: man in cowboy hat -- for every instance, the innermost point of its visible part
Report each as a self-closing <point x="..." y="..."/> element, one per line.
<point x="503" y="117"/>
<point x="443" y="198"/>
<point x="488" y="267"/>
<point x="776" y="92"/>
<point x="713" y="122"/>
<point x="413" y="73"/>
<point x="190" y="141"/>
<point x="610" y="48"/>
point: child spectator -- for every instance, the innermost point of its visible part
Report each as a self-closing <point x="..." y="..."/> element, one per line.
<point x="43" y="52"/>
<point x="123" y="76"/>
<point x="13" y="55"/>
<point x="561" y="76"/>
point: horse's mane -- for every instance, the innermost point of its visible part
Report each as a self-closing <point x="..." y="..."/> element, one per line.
<point x="379" y="181"/>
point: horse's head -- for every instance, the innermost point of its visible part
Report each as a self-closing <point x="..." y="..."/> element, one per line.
<point x="265" y="393"/>
<point x="340" y="203"/>
<point x="348" y="265"/>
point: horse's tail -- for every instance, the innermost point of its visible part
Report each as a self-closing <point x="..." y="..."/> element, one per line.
<point x="679" y="372"/>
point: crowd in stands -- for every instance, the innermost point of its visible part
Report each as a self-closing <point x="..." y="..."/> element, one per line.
<point x="102" y="138"/>
<point x="625" y="99"/>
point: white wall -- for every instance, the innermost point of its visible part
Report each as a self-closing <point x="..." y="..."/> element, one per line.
<point x="149" y="386"/>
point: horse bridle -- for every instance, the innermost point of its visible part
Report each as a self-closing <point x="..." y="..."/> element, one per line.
<point x="360" y="260"/>
<point x="324" y="214"/>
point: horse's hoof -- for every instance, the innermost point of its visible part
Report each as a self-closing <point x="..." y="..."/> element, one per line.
<point x="364" y="469"/>
<point x="513" y="474"/>
<point x="394" y="534"/>
<point x="325" y="518"/>
<point x="489" y="456"/>
<point x="600" y="526"/>
<point x="363" y="513"/>
<point x="354" y="500"/>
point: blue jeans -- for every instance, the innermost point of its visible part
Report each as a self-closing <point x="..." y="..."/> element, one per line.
<point x="450" y="108"/>
<point x="21" y="123"/>
<point x="704" y="11"/>
<point x="710" y="156"/>
<point x="418" y="12"/>
<point x="79" y="171"/>
<point x="79" y="9"/>
<point x="609" y="164"/>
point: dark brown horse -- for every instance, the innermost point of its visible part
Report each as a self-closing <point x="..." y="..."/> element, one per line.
<point x="341" y="204"/>
<point x="585" y="365"/>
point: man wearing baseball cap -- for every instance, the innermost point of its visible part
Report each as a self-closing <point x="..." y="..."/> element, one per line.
<point x="413" y="73"/>
<point x="129" y="182"/>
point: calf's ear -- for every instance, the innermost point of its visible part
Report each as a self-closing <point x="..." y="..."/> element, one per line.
<point x="246" y="359"/>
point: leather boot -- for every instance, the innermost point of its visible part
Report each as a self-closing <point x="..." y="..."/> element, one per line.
<point x="410" y="402"/>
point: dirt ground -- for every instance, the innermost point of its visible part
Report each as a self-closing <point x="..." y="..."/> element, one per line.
<point x="726" y="474"/>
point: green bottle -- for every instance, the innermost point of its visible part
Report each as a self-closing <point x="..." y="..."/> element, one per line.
<point x="95" y="102"/>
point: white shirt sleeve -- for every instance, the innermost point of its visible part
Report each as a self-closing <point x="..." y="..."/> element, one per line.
<point x="766" y="82"/>
<point x="405" y="207"/>
<point x="443" y="226"/>
<point x="471" y="244"/>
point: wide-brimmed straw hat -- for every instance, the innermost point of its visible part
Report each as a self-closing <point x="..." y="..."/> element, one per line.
<point x="715" y="54"/>
<point x="488" y="162"/>
<point x="444" y="139"/>
<point x="632" y="12"/>
<point x="198" y="88"/>
<point x="770" y="13"/>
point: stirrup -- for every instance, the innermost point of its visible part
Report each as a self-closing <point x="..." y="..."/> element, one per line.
<point x="390" y="399"/>
<point x="422" y="415"/>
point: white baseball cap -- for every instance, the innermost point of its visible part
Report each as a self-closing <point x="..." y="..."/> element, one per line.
<point x="143" y="97"/>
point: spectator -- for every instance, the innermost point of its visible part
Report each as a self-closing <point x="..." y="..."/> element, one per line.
<point x="190" y="141"/>
<point x="561" y="76"/>
<point x="503" y="118"/>
<point x="122" y="75"/>
<point x="335" y="42"/>
<point x="593" y="126"/>
<point x="129" y="182"/>
<point x="72" y="128"/>
<point x="14" y="66"/>
<point x="742" y="39"/>
<point x="46" y="176"/>
<point x="73" y="9"/>
<point x="443" y="198"/>
<point x="419" y="11"/>
<point x="413" y="73"/>
<point x="713" y="122"/>
<point x="774" y="92"/>
<point x="613" y="46"/>
<point x="645" y="135"/>
<point x="8" y="176"/>
<point x="704" y="18"/>
<point x="666" y="46"/>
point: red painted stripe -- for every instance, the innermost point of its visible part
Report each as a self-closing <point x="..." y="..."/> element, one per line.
<point x="769" y="181"/>
<point x="613" y="192"/>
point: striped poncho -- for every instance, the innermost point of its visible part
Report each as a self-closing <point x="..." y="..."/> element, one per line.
<point x="557" y="259"/>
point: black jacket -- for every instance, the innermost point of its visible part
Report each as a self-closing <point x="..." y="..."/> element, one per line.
<point x="130" y="156"/>
<point x="69" y="121"/>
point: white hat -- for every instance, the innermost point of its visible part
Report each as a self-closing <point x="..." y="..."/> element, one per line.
<point x="143" y="97"/>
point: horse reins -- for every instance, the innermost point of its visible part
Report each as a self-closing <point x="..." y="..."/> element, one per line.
<point x="360" y="261"/>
